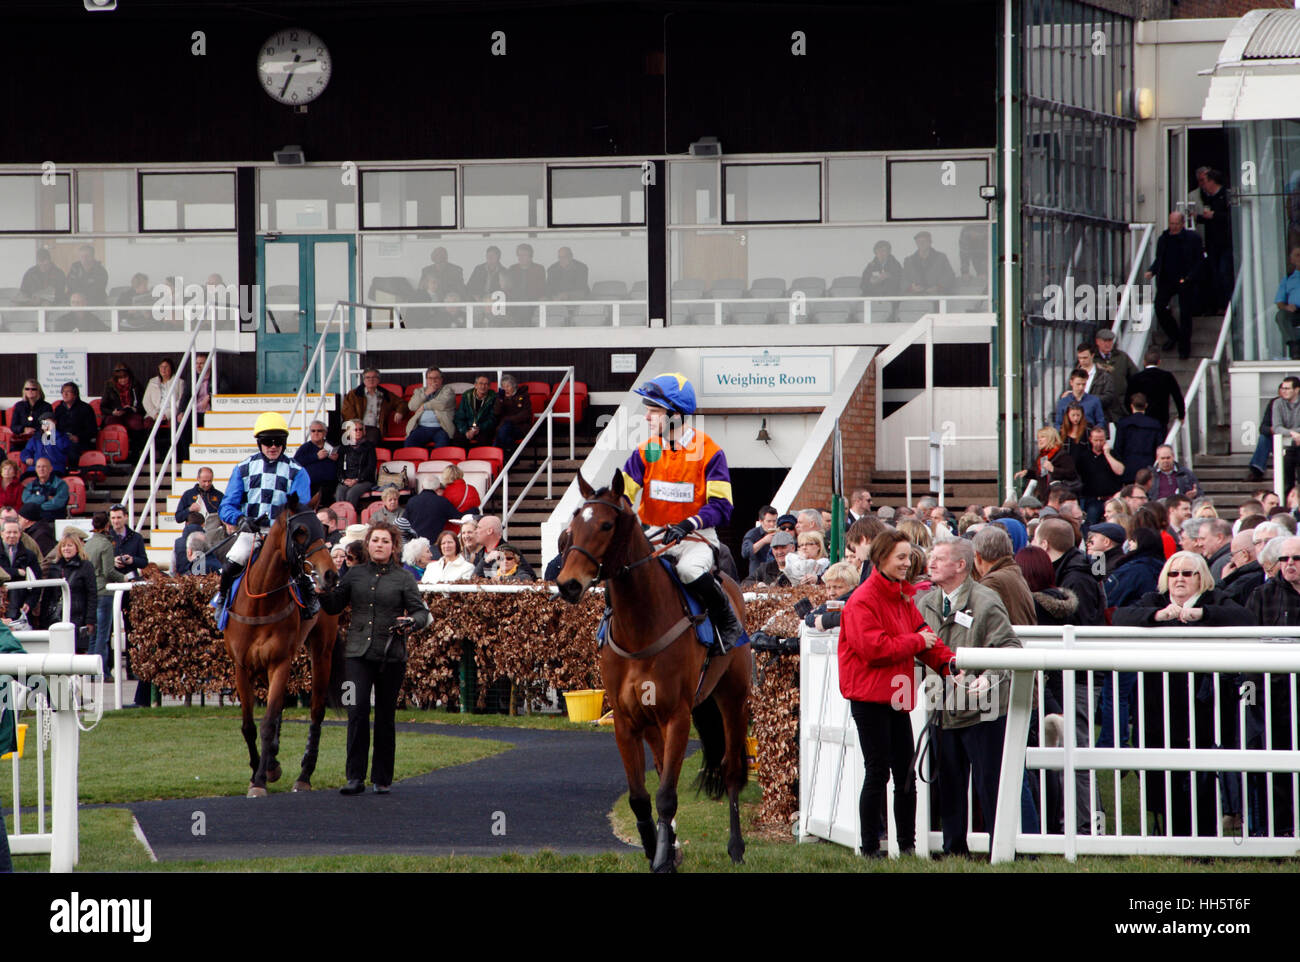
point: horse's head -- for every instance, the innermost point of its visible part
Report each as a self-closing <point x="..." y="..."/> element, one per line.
<point x="305" y="549"/>
<point x="599" y="532"/>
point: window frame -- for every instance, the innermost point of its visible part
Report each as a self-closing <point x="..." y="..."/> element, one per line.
<point x="142" y="173"/>
<point x="724" y="220"/>
<point x="889" y="189"/>
<point x="455" y="195"/>
<point x="69" y="175"/>
<point x="551" y="223"/>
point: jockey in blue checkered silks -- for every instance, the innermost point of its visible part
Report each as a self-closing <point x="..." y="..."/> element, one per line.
<point x="259" y="487"/>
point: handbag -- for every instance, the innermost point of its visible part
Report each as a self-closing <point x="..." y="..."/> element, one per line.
<point x="388" y="476"/>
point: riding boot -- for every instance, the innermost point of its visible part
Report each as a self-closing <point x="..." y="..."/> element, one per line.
<point x="228" y="575"/>
<point x="708" y="591"/>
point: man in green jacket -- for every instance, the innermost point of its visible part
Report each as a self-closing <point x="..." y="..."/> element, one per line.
<point x="99" y="551"/>
<point x="476" y="420"/>
<point x="966" y="614"/>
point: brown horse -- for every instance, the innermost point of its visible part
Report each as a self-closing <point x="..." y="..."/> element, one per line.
<point x="268" y="625"/>
<point x="654" y="671"/>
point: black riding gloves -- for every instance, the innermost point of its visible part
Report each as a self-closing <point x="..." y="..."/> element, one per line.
<point x="676" y="532"/>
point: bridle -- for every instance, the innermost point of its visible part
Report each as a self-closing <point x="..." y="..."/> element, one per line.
<point x="599" y="562"/>
<point x="297" y="557"/>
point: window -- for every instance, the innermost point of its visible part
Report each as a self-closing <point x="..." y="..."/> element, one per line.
<point x="504" y="195"/>
<point x="772" y="193"/>
<point x="35" y="203"/>
<point x="106" y="201"/>
<point x="594" y="196"/>
<point x="408" y="199"/>
<point x="187" y="202"/>
<point x="857" y="189"/>
<point x="300" y="200"/>
<point x="937" y="189"/>
<point x="693" y="192"/>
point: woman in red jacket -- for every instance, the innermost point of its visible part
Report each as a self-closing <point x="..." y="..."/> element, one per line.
<point x="881" y="632"/>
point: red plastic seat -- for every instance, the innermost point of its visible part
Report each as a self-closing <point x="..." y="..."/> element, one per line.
<point x="408" y="392"/>
<point x="114" y="442"/>
<point x="394" y="431"/>
<point x="369" y="511"/>
<point x="579" y="402"/>
<point x="395" y="389"/>
<point x="493" y="455"/>
<point x="93" y="465"/>
<point x="6" y="437"/>
<point x="418" y="455"/>
<point x="96" y="406"/>
<point x="453" y="454"/>
<point x="76" y="495"/>
<point x="382" y="455"/>
<point x="346" y="513"/>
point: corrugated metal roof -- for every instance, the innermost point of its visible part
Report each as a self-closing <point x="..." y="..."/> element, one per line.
<point x="1276" y="36"/>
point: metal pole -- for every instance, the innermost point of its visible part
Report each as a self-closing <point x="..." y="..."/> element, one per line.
<point x="64" y="844"/>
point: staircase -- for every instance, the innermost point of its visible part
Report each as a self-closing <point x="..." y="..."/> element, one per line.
<point x="225" y="439"/>
<point x="525" y="528"/>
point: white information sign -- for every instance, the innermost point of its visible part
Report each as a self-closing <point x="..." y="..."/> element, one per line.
<point x="56" y="368"/>
<point x="767" y="373"/>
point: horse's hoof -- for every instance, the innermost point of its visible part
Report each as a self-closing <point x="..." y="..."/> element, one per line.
<point x="301" y="786"/>
<point x="256" y="791"/>
<point x="273" y="774"/>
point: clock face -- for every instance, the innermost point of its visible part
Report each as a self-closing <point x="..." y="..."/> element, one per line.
<point x="294" y="66"/>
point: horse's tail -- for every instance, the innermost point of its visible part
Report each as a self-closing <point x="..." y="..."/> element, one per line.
<point x="334" y="693"/>
<point x="708" y="723"/>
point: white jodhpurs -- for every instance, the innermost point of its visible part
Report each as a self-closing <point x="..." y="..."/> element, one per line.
<point x="694" y="558"/>
<point x="241" y="549"/>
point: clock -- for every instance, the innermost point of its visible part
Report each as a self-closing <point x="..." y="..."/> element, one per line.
<point x="293" y="66"/>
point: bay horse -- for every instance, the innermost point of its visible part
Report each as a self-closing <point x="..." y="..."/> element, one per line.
<point x="652" y="668"/>
<point x="268" y="626"/>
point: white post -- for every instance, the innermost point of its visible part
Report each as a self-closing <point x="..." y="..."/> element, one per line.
<point x="64" y="845"/>
<point x="1277" y="466"/>
<point x="1067" y="788"/>
<point x="1002" y="847"/>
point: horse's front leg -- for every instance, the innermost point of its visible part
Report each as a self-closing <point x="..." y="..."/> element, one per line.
<point x="632" y="751"/>
<point x="677" y="733"/>
<point x="320" y="675"/>
<point x="244" y="686"/>
<point x="278" y="681"/>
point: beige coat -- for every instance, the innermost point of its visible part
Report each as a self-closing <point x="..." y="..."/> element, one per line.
<point x="443" y="404"/>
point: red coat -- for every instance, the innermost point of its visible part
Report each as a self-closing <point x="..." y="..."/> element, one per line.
<point x="878" y="642"/>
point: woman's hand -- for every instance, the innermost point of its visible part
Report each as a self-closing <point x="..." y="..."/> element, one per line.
<point x="1170" y="612"/>
<point x="1188" y="615"/>
<point x="929" y="637"/>
<point x="817" y="623"/>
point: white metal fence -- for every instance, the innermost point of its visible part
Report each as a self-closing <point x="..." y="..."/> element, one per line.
<point x="1213" y="751"/>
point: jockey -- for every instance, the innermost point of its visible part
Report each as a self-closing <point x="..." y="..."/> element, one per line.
<point x="685" y="490"/>
<point x="259" y="487"/>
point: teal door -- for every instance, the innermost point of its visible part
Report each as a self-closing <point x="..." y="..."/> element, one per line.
<point x="302" y="277"/>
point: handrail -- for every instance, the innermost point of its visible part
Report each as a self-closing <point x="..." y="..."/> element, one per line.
<point x="1196" y="390"/>
<point x="60" y="583"/>
<point x="1122" y="310"/>
<point x="157" y="472"/>
<point x="299" y="405"/>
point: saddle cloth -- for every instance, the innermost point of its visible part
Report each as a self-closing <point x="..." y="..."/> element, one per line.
<point x="704" y="631"/>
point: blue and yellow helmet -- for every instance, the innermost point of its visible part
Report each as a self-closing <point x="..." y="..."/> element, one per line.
<point x="671" y="391"/>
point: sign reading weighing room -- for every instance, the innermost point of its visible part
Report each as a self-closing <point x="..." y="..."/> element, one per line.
<point x="766" y="373"/>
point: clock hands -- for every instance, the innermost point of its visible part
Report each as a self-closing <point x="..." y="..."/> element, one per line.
<point x="289" y="69"/>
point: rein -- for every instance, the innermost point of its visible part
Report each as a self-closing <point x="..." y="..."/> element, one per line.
<point x="292" y="555"/>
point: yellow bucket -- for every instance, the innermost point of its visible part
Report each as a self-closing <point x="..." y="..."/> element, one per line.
<point x="584" y="705"/>
<point x="751" y="753"/>
<point x="22" y="740"/>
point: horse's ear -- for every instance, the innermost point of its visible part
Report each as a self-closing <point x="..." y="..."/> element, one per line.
<point x="584" y="488"/>
<point x="293" y="503"/>
<point x="616" y="485"/>
<point x="315" y="500"/>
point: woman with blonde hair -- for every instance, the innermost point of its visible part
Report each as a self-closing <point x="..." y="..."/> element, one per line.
<point x="917" y="533"/>
<point x="71" y="564"/>
<point x="1116" y="512"/>
<point x="1204" y="508"/>
<point x="462" y="494"/>
<point x="1051" y="463"/>
<point x="808" y="561"/>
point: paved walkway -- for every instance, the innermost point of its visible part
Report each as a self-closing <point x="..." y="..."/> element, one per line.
<point x="553" y="790"/>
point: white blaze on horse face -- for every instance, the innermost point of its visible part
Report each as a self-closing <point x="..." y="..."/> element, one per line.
<point x="588" y="514"/>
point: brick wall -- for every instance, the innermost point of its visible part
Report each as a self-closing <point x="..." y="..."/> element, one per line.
<point x="858" y="434"/>
<point x="1191" y="9"/>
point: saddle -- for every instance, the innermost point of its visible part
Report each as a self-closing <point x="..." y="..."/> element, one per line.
<point x="705" y="633"/>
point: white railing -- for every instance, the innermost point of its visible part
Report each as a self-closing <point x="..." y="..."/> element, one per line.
<point x="796" y="310"/>
<point x="831" y="769"/>
<point x="488" y="314"/>
<point x="1208" y="368"/>
<point x="339" y="365"/>
<point x="945" y="440"/>
<point x="1122" y="311"/>
<point x="164" y="473"/>
<point x="56" y="694"/>
<point x="178" y="319"/>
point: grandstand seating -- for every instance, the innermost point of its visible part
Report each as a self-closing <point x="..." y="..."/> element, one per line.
<point x="114" y="442"/>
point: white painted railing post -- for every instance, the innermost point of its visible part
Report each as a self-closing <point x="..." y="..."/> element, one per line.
<point x="64" y="849"/>
<point x="1279" y="481"/>
<point x="1007" y="825"/>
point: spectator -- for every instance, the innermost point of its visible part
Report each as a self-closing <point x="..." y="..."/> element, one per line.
<point x="476" y="417"/>
<point x="128" y="547"/>
<point x="1217" y="546"/>
<point x="857" y="544"/>
<point x="1171" y="477"/>
<point x="339" y="555"/>
<point x="1117" y="512"/>
<point x="75" y="420"/>
<point x="51" y="445"/>
<point x="926" y="271"/>
<point x="859" y="507"/>
<point x="1100" y="473"/>
<point x="99" y="553"/>
<point x="47" y="491"/>
<point x="1119" y="365"/>
<point x="1244" y="573"/>
<point x="429" y="512"/>
<point x="1158" y="387"/>
<point x="1137" y="437"/>
<point x="526" y="281"/>
<point x="1287" y="299"/>
<point x="123" y="403"/>
<point x="157" y="405"/>
<point x="416" y="556"/>
<point x="1051" y="463"/>
<point x="389" y="509"/>
<point x="329" y="520"/>
<point x="385" y="602"/>
<point x="1078" y="395"/>
<point x="1152" y="516"/>
<point x="450" y="277"/>
<point x="1177" y="269"/>
<point x="756" y="548"/>
<point x="1106" y="547"/>
<point x="566" y="279"/>
<point x="372" y="405"/>
<point x="883" y="277"/>
<point x="1270" y="554"/>
<point x="356" y="469"/>
<point x="996" y="568"/>
<point x="44" y="282"/>
<point x="20" y="564"/>
<point x="806" y="566"/>
<point x="487" y="536"/>
<point x="320" y="458"/>
<point x="450" y="565"/>
<point x="964" y="613"/>
<point x="787" y="522"/>
<point x="509" y="565"/>
<point x="1134" y="497"/>
<point x="489" y="277"/>
<point x="1216" y="218"/>
<point x="463" y="495"/>
<point x="1286" y="422"/>
<point x="25" y="415"/>
<point x="468" y="536"/>
<point x="1137" y="572"/>
<point x="513" y="413"/>
<point x="1264" y="445"/>
<point x="11" y="488"/>
<point x="809" y="519"/>
<point x="772" y="571"/>
<point x="940" y="522"/>
<point x="199" y="557"/>
<point x="840" y="578"/>
<point x="1185" y="596"/>
<point x="180" y="560"/>
<point x="203" y="498"/>
<point x="35" y="527"/>
<point x="88" y="277"/>
<point x="879" y="639"/>
<point x="433" y="412"/>
<point x="1074" y="431"/>
<point x="917" y="533"/>
<point x="1099" y="383"/>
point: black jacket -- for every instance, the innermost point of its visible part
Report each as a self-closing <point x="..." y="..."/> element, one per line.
<point x="27" y="416"/>
<point x="80" y="576"/>
<point x="1179" y="258"/>
<point x="210" y="498"/>
<point x="378" y="594"/>
<point x="429" y="513"/>
<point x="357" y="461"/>
<point x="1275" y="602"/>
<point x="1218" y="611"/>
<point x="1136" y="439"/>
<point x="1241" y="583"/>
<point x="131" y="543"/>
<point x="79" y="420"/>
<point x="1074" y="574"/>
<point x="17" y="571"/>
<point x="1159" y="386"/>
<point x="830" y="619"/>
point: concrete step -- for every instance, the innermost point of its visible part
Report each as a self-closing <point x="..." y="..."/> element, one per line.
<point x="240" y="437"/>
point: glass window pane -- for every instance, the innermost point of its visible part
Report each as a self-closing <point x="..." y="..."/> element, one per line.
<point x="763" y="193"/>
<point x="29" y="204"/>
<point x="305" y="199"/>
<point x="408" y="198"/>
<point x="179" y="202"/>
<point x="693" y="192"/>
<point x="106" y="201"/>
<point x="583" y="196"/>
<point x="504" y="195"/>
<point x="937" y="189"/>
<point x="857" y="189"/>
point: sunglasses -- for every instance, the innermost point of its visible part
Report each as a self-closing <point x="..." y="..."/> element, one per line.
<point x="1188" y="574"/>
<point x="1289" y="557"/>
